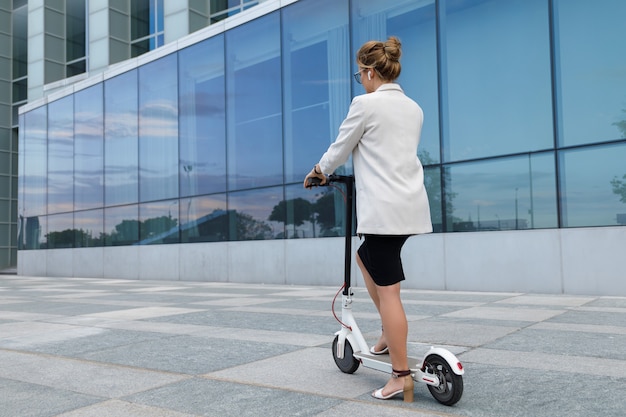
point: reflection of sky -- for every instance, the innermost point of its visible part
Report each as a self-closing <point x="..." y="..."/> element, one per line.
<point x="258" y="204"/>
<point x="88" y="148"/>
<point x="192" y="209"/>
<point x="499" y="87"/>
<point x="60" y="222"/>
<point x="35" y="162"/>
<point x="417" y="31"/>
<point x="592" y="64"/>
<point x="586" y="179"/>
<point x="157" y="209"/>
<point x="158" y="129"/>
<point x="116" y="215"/>
<point x="497" y="71"/>
<point x="90" y="221"/>
<point x="493" y="190"/>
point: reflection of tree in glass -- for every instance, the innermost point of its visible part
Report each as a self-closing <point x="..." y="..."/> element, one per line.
<point x="156" y="225"/>
<point x="432" y="181"/>
<point x="67" y="237"/>
<point x="326" y="214"/>
<point x="125" y="232"/>
<point x="249" y="228"/>
<point x="619" y="186"/>
<point x="295" y="211"/>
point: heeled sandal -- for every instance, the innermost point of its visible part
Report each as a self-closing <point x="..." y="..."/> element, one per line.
<point x="380" y="352"/>
<point x="407" y="390"/>
<point x="383" y="351"/>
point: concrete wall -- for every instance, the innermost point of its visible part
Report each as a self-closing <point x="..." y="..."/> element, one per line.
<point x="570" y="261"/>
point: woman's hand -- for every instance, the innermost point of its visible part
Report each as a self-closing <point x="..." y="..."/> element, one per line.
<point x="316" y="172"/>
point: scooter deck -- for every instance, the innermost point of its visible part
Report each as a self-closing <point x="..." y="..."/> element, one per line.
<point x="383" y="362"/>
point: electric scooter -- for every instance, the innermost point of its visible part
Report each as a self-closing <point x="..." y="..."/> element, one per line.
<point x="439" y="368"/>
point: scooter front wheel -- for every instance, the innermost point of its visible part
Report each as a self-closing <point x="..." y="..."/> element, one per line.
<point x="450" y="387"/>
<point x="348" y="364"/>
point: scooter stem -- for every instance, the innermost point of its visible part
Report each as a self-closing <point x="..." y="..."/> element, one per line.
<point x="348" y="319"/>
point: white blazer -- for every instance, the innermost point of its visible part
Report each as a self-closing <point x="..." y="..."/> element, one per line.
<point x="382" y="131"/>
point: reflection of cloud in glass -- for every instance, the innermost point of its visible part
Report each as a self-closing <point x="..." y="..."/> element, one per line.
<point x="258" y="204"/>
<point x="121" y="125"/>
<point x="88" y="125"/>
<point x="159" y="118"/>
<point x="90" y="221"/>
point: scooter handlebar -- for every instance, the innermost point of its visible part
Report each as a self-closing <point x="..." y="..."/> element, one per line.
<point x="317" y="182"/>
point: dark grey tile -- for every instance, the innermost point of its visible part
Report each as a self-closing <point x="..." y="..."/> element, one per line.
<point x="20" y="399"/>
<point x="204" y="397"/>
<point x="188" y="354"/>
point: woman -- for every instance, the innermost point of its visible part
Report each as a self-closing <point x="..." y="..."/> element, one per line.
<point x="382" y="132"/>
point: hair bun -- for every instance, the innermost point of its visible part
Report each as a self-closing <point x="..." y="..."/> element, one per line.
<point x="393" y="48"/>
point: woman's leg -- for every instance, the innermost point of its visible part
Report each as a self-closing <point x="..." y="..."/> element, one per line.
<point x="396" y="330"/>
<point x="372" y="289"/>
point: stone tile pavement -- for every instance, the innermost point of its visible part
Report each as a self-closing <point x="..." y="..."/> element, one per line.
<point x="76" y="347"/>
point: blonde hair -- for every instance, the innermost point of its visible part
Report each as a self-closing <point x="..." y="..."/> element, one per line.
<point x="382" y="57"/>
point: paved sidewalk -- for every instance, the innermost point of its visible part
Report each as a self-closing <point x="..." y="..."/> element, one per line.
<point x="92" y="347"/>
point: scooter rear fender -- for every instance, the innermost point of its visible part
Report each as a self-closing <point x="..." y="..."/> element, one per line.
<point x="453" y="361"/>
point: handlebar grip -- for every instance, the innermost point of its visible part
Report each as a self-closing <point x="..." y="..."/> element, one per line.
<point x="315" y="182"/>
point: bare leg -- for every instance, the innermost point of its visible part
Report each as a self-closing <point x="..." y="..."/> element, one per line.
<point x="389" y="305"/>
<point x="372" y="289"/>
<point x="396" y="331"/>
<point x="369" y="283"/>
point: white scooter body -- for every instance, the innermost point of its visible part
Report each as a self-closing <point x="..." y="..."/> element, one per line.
<point x="351" y="332"/>
<point x="439" y="369"/>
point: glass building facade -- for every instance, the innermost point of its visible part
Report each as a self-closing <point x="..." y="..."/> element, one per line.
<point x="525" y="125"/>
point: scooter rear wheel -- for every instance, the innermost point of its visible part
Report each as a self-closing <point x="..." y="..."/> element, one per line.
<point x="450" y="387"/>
<point x="348" y="364"/>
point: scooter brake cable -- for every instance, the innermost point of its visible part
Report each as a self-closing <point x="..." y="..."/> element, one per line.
<point x="333" y="309"/>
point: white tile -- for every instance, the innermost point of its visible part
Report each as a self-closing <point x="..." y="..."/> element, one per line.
<point x="143" y="313"/>
<point x="512" y="314"/>
<point x="547" y="362"/>
<point x="306" y="370"/>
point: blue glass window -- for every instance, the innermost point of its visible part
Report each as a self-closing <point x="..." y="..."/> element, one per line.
<point x="593" y="186"/>
<point x="121" y="149"/>
<point x="501" y="194"/>
<point x="21" y="222"/>
<point x="158" y="222"/>
<point x="60" y="232"/>
<point x="202" y="118"/>
<point x="88" y="148"/>
<point x="88" y="228"/>
<point x="432" y="181"/>
<point x="61" y="155"/>
<point x="158" y="129"/>
<point x="204" y="219"/>
<point x="498" y="78"/>
<point x="121" y="225"/>
<point x="254" y="100"/>
<point x="250" y="214"/>
<point x="415" y="25"/>
<point x="591" y="68"/>
<point x="316" y="81"/>
<point x="311" y="213"/>
<point x="146" y="25"/>
<point x="33" y="160"/>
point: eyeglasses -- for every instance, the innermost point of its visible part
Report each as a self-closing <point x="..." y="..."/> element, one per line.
<point x="357" y="76"/>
